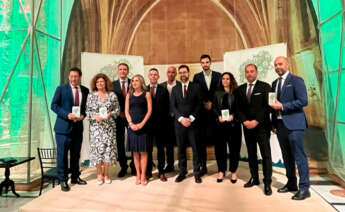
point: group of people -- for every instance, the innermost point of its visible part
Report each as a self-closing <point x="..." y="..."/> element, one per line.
<point x="211" y="107"/>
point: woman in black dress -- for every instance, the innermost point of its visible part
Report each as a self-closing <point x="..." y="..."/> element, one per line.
<point x="138" y="108"/>
<point x="229" y="130"/>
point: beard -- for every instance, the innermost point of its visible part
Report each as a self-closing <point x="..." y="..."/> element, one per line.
<point x="206" y="68"/>
<point x="184" y="79"/>
<point x="280" y="71"/>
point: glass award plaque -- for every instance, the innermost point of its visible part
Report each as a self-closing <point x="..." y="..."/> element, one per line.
<point x="225" y="114"/>
<point x="76" y="111"/>
<point x="272" y="96"/>
<point x="103" y="112"/>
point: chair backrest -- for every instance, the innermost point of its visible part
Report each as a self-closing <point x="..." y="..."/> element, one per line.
<point x="47" y="157"/>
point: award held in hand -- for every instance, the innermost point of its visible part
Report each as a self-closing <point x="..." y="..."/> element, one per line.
<point x="103" y="112"/>
<point x="225" y="114"/>
<point x="76" y="111"/>
<point x="272" y="96"/>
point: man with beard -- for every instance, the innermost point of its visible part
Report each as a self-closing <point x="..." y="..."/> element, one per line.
<point x="208" y="81"/>
<point x="185" y="103"/>
<point x="290" y="123"/>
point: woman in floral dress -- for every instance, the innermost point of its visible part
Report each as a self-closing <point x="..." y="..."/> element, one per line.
<point x="102" y="108"/>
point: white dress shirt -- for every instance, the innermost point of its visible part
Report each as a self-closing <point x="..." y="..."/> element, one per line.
<point x="208" y="79"/>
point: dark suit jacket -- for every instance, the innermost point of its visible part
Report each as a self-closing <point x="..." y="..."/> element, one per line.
<point x="207" y="95"/>
<point x="62" y="105"/>
<point x="185" y="107"/>
<point x="160" y="108"/>
<point x="258" y="108"/>
<point x="118" y="91"/>
<point x="294" y="97"/>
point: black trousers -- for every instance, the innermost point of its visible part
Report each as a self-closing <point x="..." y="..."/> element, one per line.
<point x="121" y="125"/>
<point x="170" y="141"/>
<point x="261" y="136"/>
<point x="229" y="135"/>
<point x="207" y="134"/>
<point x="159" y="140"/>
<point x="185" y="135"/>
<point x="64" y="143"/>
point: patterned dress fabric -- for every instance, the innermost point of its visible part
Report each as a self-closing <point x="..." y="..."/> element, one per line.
<point x="102" y="140"/>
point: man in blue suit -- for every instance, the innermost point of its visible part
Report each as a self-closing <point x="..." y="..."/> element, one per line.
<point x="69" y="127"/>
<point x="290" y="123"/>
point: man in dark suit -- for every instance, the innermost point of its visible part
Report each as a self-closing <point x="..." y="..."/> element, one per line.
<point x="254" y="113"/>
<point x="69" y="127"/>
<point x="157" y="128"/>
<point x="208" y="82"/>
<point x="186" y="102"/>
<point x="290" y="123"/>
<point x="120" y="88"/>
<point x="171" y="135"/>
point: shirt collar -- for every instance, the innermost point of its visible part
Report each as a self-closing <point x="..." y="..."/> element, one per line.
<point x="78" y="86"/>
<point x="252" y="82"/>
<point x="285" y="75"/>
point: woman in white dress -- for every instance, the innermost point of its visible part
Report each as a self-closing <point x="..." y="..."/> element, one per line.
<point x="102" y="108"/>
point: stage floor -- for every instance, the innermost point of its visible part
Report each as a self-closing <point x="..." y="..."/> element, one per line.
<point x="124" y="195"/>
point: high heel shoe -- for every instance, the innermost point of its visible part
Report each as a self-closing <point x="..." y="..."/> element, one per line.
<point x="233" y="181"/>
<point x="219" y="180"/>
<point x="137" y="182"/>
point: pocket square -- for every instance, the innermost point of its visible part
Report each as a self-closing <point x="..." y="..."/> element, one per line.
<point x="257" y="94"/>
<point x="289" y="85"/>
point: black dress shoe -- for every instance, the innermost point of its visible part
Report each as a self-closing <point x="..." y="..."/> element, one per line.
<point x="301" y="195"/>
<point x="286" y="189"/>
<point x="179" y="178"/>
<point x="268" y="190"/>
<point x="251" y="183"/>
<point x="198" y="179"/>
<point x="169" y="169"/>
<point x="162" y="177"/>
<point x="233" y="181"/>
<point x="122" y="172"/>
<point x="64" y="186"/>
<point x="219" y="180"/>
<point x="78" y="181"/>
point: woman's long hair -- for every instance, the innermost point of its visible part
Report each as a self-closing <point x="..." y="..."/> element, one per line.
<point x="233" y="83"/>
<point x="108" y="85"/>
<point x="142" y="84"/>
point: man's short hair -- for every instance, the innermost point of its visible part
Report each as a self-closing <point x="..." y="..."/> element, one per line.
<point x="123" y="64"/>
<point x="251" y="64"/>
<point x="76" y="69"/>
<point x="154" y="69"/>
<point x="205" y="56"/>
<point x="183" y="66"/>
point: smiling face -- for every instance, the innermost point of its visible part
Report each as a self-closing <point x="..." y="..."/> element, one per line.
<point x="100" y="84"/>
<point x="251" y="73"/>
<point x="136" y="84"/>
<point x="184" y="74"/>
<point x="122" y="71"/>
<point x="281" y="65"/>
<point x="153" y="77"/>
<point x="74" y="78"/>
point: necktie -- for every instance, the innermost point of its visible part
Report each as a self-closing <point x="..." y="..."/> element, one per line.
<point x="279" y="88"/>
<point x="123" y="88"/>
<point x="76" y="96"/>
<point x="152" y="91"/>
<point x="184" y="91"/>
<point x="249" y="93"/>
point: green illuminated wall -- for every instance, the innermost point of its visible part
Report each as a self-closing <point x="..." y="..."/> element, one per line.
<point x="24" y="49"/>
<point x="330" y="15"/>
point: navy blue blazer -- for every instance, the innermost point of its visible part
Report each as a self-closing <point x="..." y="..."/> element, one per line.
<point x="294" y="97"/>
<point x="207" y="95"/>
<point x="62" y="105"/>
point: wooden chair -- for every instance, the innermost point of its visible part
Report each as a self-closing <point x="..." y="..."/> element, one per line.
<point x="47" y="159"/>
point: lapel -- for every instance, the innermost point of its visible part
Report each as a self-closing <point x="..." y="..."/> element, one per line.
<point x="203" y="80"/>
<point x="214" y="81"/>
<point x="179" y="90"/>
<point x="117" y="86"/>
<point x="70" y="93"/>
<point x="287" y="81"/>
<point x="128" y="82"/>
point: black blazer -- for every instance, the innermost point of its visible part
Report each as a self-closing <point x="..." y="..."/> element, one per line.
<point x="165" y="84"/>
<point x="62" y="104"/>
<point x="160" y="106"/>
<point x="190" y="105"/>
<point x="118" y="91"/>
<point x="258" y="108"/>
<point x="207" y="95"/>
<point x="218" y="102"/>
